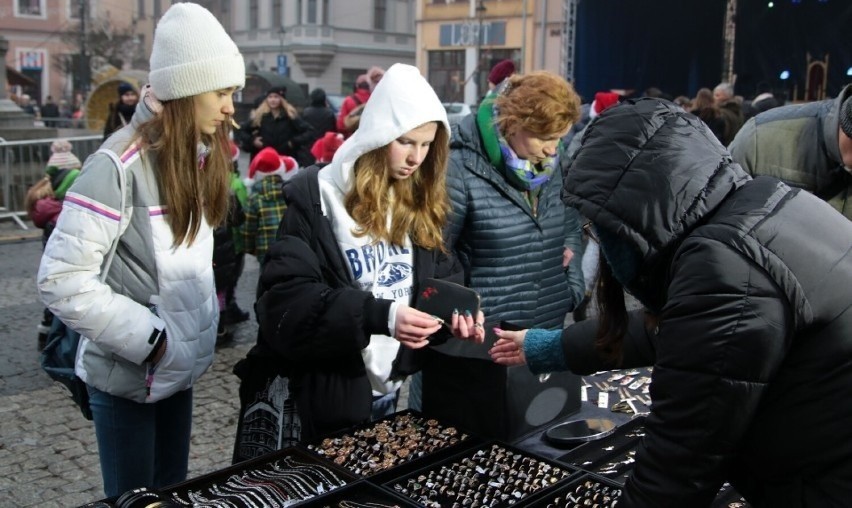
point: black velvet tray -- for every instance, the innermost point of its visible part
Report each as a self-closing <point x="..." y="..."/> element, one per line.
<point x="594" y="454"/>
<point x="513" y="486"/>
<point x="417" y="431"/>
<point x="360" y="494"/>
<point x="275" y="479"/>
<point x="599" y="491"/>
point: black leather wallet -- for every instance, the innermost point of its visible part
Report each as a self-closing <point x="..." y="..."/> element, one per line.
<point x="440" y="298"/>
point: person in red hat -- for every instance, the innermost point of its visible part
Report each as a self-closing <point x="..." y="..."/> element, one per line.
<point x="229" y="253"/>
<point x="350" y="110"/>
<point x="501" y="70"/>
<point x="265" y="209"/>
<point x="324" y="148"/>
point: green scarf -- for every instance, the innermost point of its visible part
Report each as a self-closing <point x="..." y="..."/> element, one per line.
<point x="522" y="174"/>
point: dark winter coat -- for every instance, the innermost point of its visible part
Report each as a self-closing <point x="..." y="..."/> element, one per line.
<point x="511" y="254"/>
<point x="224" y="247"/>
<point x="319" y="115"/>
<point x="799" y="145"/>
<point x="752" y="354"/>
<point x="316" y="322"/>
<point x="119" y="115"/>
<point x="288" y="136"/>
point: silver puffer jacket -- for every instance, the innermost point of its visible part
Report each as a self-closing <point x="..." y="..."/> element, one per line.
<point x="150" y="285"/>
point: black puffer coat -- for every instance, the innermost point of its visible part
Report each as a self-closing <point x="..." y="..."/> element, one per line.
<point x="314" y="322"/>
<point x="752" y="357"/>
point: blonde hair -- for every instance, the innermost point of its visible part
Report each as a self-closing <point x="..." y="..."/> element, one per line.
<point x="264" y="108"/>
<point x="419" y="204"/>
<point x="191" y="193"/>
<point x="541" y="103"/>
<point x="39" y="190"/>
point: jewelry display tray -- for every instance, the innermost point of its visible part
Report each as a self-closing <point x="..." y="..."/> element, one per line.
<point x="411" y="463"/>
<point x="361" y="494"/>
<point x="577" y="490"/>
<point x="592" y="457"/>
<point x="265" y="462"/>
<point x="435" y="467"/>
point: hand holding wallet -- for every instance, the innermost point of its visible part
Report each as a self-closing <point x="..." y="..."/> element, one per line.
<point x="440" y="298"/>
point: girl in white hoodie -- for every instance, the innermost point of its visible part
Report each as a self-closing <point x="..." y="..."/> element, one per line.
<point x="358" y="239"/>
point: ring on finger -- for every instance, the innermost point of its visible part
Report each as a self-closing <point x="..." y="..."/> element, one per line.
<point x="478" y="325"/>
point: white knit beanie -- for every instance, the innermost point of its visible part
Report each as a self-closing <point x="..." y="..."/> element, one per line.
<point x="193" y="54"/>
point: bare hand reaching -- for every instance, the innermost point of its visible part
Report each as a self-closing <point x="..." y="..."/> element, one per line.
<point x="465" y="327"/>
<point x="414" y="327"/>
<point x="509" y="348"/>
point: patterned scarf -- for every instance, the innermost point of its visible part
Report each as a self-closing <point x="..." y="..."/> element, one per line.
<point x="520" y="172"/>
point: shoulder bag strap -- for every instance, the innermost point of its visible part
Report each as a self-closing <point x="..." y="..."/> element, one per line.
<point x="124" y="218"/>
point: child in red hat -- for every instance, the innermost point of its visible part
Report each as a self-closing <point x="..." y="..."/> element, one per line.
<point x="324" y="148"/>
<point x="265" y="209"/>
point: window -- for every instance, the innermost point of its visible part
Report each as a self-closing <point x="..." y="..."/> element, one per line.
<point x="325" y="8"/>
<point x="30" y="8"/>
<point x="277" y="21"/>
<point x="140" y="9"/>
<point x="253" y="15"/>
<point x="380" y="13"/>
<point x="347" y="79"/>
<point x="446" y="74"/>
<point x="312" y="12"/>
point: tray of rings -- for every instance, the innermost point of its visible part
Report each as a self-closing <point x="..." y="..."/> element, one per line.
<point x="282" y="478"/>
<point x="585" y="491"/>
<point x="360" y="494"/>
<point x="401" y="439"/>
<point x="494" y="475"/>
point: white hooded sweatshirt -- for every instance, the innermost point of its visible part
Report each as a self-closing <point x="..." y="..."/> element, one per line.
<point x="403" y="100"/>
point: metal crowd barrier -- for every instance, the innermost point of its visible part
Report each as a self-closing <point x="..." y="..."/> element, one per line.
<point x="22" y="163"/>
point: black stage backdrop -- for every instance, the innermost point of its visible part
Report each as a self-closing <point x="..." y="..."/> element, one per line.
<point x="676" y="45"/>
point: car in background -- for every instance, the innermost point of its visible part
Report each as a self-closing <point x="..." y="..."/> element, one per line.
<point x="456" y="111"/>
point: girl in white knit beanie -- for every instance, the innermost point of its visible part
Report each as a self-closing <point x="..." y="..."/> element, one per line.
<point x="149" y="326"/>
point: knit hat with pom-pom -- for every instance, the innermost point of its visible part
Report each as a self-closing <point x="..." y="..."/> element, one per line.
<point x="62" y="157"/>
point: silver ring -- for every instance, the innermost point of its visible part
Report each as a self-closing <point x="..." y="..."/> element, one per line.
<point x="478" y="325"/>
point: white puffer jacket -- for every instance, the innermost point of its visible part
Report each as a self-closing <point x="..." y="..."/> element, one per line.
<point x="147" y="275"/>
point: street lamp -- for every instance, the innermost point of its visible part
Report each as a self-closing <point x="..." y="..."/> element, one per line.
<point x="480" y="11"/>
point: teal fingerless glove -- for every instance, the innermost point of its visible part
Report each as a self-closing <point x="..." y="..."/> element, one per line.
<point x="543" y="351"/>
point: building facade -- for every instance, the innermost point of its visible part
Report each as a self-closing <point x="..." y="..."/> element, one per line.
<point x="42" y="46"/>
<point x="460" y="40"/>
<point x="325" y="43"/>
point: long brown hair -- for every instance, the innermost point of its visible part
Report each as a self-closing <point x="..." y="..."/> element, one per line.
<point x="612" y="314"/>
<point x="418" y="204"/>
<point x="191" y="193"/>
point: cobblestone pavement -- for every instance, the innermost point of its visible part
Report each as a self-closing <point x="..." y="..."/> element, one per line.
<point x="48" y="452"/>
